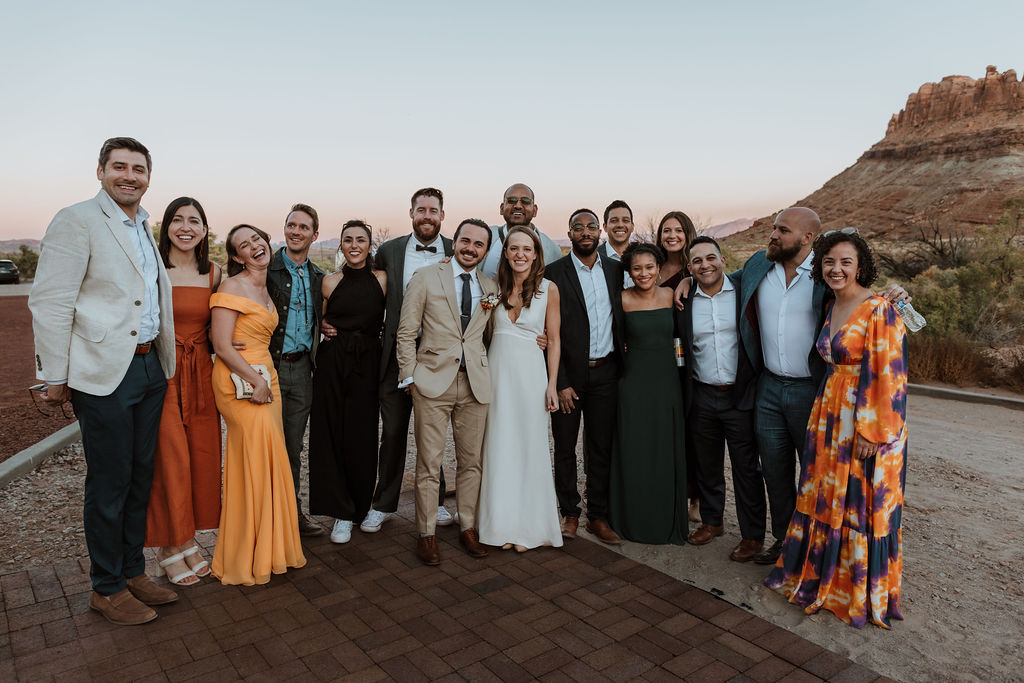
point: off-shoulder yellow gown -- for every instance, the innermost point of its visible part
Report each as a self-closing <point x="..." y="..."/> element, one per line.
<point x="259" y="531"/>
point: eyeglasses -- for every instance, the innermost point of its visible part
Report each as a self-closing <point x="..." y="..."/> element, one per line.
<point x="578" y="228"/>
<point x="49" y="409"/>
<point x="845" y="231"/>
<point x="512" y="201"/>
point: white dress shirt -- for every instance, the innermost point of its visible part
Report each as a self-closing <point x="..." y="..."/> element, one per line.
<point x="627" y="281"/>
<point x="414" y="260"/>
<point x="789" y="328"/>
<point x="715" y="335"/>
<point x="150" y="325"/>
<point x="599" y="306"/>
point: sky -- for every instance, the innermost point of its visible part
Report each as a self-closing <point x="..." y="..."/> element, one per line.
<point x="723" y="110"/>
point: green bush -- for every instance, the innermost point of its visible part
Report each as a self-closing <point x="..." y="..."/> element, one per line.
<point x="25" y="259"/>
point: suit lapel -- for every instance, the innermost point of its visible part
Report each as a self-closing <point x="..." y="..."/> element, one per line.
<point x="119" y="231"/>
<point x="446" y="274"/>
<point x="487" y="286"/>
<point x="399" y="259"/>
<point x="574" y="283"/>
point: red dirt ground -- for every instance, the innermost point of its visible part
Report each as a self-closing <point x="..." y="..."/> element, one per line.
<point x="21" y="424"/>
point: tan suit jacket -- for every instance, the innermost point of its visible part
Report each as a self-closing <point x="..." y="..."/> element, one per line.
<point x="86" y="300"/>
<point x="430" y="305"/>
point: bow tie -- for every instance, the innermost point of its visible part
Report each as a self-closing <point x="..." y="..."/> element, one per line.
<point x="420" y="247"/>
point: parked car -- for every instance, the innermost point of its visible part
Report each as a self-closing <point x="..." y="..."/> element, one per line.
<point x="9" y="272"/>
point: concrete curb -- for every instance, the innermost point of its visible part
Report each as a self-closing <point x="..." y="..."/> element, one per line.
<point x="965" y="396"/>
<point x="27" y="460"/>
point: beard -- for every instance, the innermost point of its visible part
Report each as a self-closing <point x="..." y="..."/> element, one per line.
<point x="779" y="254"/>
<point x="426" y="229"/>
<point x="585" y="250"/>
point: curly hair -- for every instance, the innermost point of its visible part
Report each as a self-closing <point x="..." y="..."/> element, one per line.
<point x="506" y="279"/>
<point x="867" y="273"/>
<point x="637" y="248"/>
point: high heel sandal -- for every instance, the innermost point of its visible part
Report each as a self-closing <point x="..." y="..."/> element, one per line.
<point x="199" y="567"/>
<point x="177" y="579"/>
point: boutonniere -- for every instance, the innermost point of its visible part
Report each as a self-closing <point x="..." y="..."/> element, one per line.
<point x="488" y="302"/>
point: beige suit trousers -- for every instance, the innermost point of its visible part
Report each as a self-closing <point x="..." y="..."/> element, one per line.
<point x="468" y="418"/>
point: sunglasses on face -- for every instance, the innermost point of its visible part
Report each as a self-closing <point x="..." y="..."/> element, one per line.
<point x="512" y="201"/>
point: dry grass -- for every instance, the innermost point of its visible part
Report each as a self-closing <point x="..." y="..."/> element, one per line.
<point x="951" y="360"/>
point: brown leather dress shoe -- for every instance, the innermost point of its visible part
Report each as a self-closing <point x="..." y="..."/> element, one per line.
<point x="143" y="588"/>
<point x="704" y="534"/>
<point x="604" y="533"/>
<point x="426" y="550"/>
<point x="307" y="527"/>
<point x="470" y="540"/>
<point x="569" y="526"/>
<point x="746" y="550"/>
<point x="122" y="608"/>
<point x="769" y="554"/>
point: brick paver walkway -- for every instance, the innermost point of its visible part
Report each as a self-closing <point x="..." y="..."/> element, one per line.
<point x="368" y="610"/>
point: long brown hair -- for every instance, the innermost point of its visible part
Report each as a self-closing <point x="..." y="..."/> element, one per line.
<point x="202" y="248"/>
<point x="688" y="228"/>
<point x="506" y="280"/>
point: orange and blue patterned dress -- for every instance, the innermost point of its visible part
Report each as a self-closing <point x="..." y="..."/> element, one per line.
<point x="843" y="548"/>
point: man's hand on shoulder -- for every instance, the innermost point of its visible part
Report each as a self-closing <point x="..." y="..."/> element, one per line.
<point x="682" y="291"/>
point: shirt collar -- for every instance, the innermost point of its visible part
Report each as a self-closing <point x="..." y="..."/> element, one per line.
<point x="141" y="215"/>
<point x="727" y="286"/>
<point x="292" y="266"/>
<point x="459" y="270"/>
<point x="806" y="265"/>
<point x="580" y="265"/>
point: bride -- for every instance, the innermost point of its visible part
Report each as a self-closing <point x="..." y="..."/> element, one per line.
<point x="517" y="493"/>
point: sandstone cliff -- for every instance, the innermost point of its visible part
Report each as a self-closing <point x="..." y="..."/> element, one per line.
<point x="948" y="159"/>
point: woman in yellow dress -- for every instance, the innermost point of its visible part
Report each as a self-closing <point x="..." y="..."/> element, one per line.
<point x="259" y="532"/>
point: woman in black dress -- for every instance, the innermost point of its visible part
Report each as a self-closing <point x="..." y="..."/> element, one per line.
<point x="343" y="421"/>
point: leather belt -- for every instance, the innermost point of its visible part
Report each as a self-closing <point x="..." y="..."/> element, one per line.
<point x="292" y="357"/>
<point x="783" y="378"/>
<point x="598" y="362"/>
<point x="717" y="387"/>
<point x="143" y="349"/>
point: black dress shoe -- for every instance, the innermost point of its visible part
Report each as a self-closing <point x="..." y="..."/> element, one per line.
<point x="770" y="554"/>
<point x="308" y="527"/>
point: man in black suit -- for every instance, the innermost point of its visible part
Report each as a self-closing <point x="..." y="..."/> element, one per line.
<point x="588" y="374"/>
<point x="719" y="386"/>
<point x="400" y="258"/>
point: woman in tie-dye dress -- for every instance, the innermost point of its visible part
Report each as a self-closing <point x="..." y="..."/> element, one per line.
<point x="843" y="548"/>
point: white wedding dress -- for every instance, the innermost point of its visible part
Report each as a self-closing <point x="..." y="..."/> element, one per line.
<point x="517" y="492"/>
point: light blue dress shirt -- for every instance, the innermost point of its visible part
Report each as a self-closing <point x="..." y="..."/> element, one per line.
<point x="150" y="325"/>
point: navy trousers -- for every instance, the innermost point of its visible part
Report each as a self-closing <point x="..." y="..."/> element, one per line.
<point x="119" y="433"/>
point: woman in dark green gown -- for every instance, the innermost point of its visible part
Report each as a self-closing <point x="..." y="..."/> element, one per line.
<point x="648" y="477"/>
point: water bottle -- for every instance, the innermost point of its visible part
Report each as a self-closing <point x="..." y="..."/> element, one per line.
<point x="913" y="320"/>
<point x="680" y="355"/>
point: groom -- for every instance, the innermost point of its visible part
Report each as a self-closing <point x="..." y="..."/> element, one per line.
<point x="446" y="371"/>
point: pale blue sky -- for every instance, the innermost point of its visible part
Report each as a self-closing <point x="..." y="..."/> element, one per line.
<point x="722" y="110"/>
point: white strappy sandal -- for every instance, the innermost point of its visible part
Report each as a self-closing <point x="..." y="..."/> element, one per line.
<point x="199" y="567"/>
<point x="177" y="579"/>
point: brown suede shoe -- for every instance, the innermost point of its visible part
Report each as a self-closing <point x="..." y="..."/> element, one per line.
<point x="569" y="526"/>
<point x="604" y="533"/>
<point x="122" y="608"/>
<point x="143" y="588"/>
<point x="704" y="534"/>
<point x="426" y="550"/>
<point x="470" y="540"/>
<point x="746" y="550"/>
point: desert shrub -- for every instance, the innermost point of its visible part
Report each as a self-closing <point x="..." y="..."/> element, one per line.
<point x="948" y="359"/>
<point x="25" y="259"/>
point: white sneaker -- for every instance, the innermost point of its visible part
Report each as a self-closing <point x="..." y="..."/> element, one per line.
<point x="444" y="518"/>
<point x="374" y="521"/>
<point x="342" y="531"/>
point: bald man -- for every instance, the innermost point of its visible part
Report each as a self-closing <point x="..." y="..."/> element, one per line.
<point x="783" y="313"/>
<point x="518" y="207"/>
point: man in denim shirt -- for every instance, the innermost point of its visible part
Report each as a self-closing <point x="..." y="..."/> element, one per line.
<point x="293" y="282"/>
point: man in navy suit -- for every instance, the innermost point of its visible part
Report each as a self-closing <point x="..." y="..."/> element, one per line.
<point x="719" y="384"/>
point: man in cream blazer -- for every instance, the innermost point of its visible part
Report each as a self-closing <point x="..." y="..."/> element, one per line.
<point x="104" y="338"/>
<point x="449" y="379"/>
